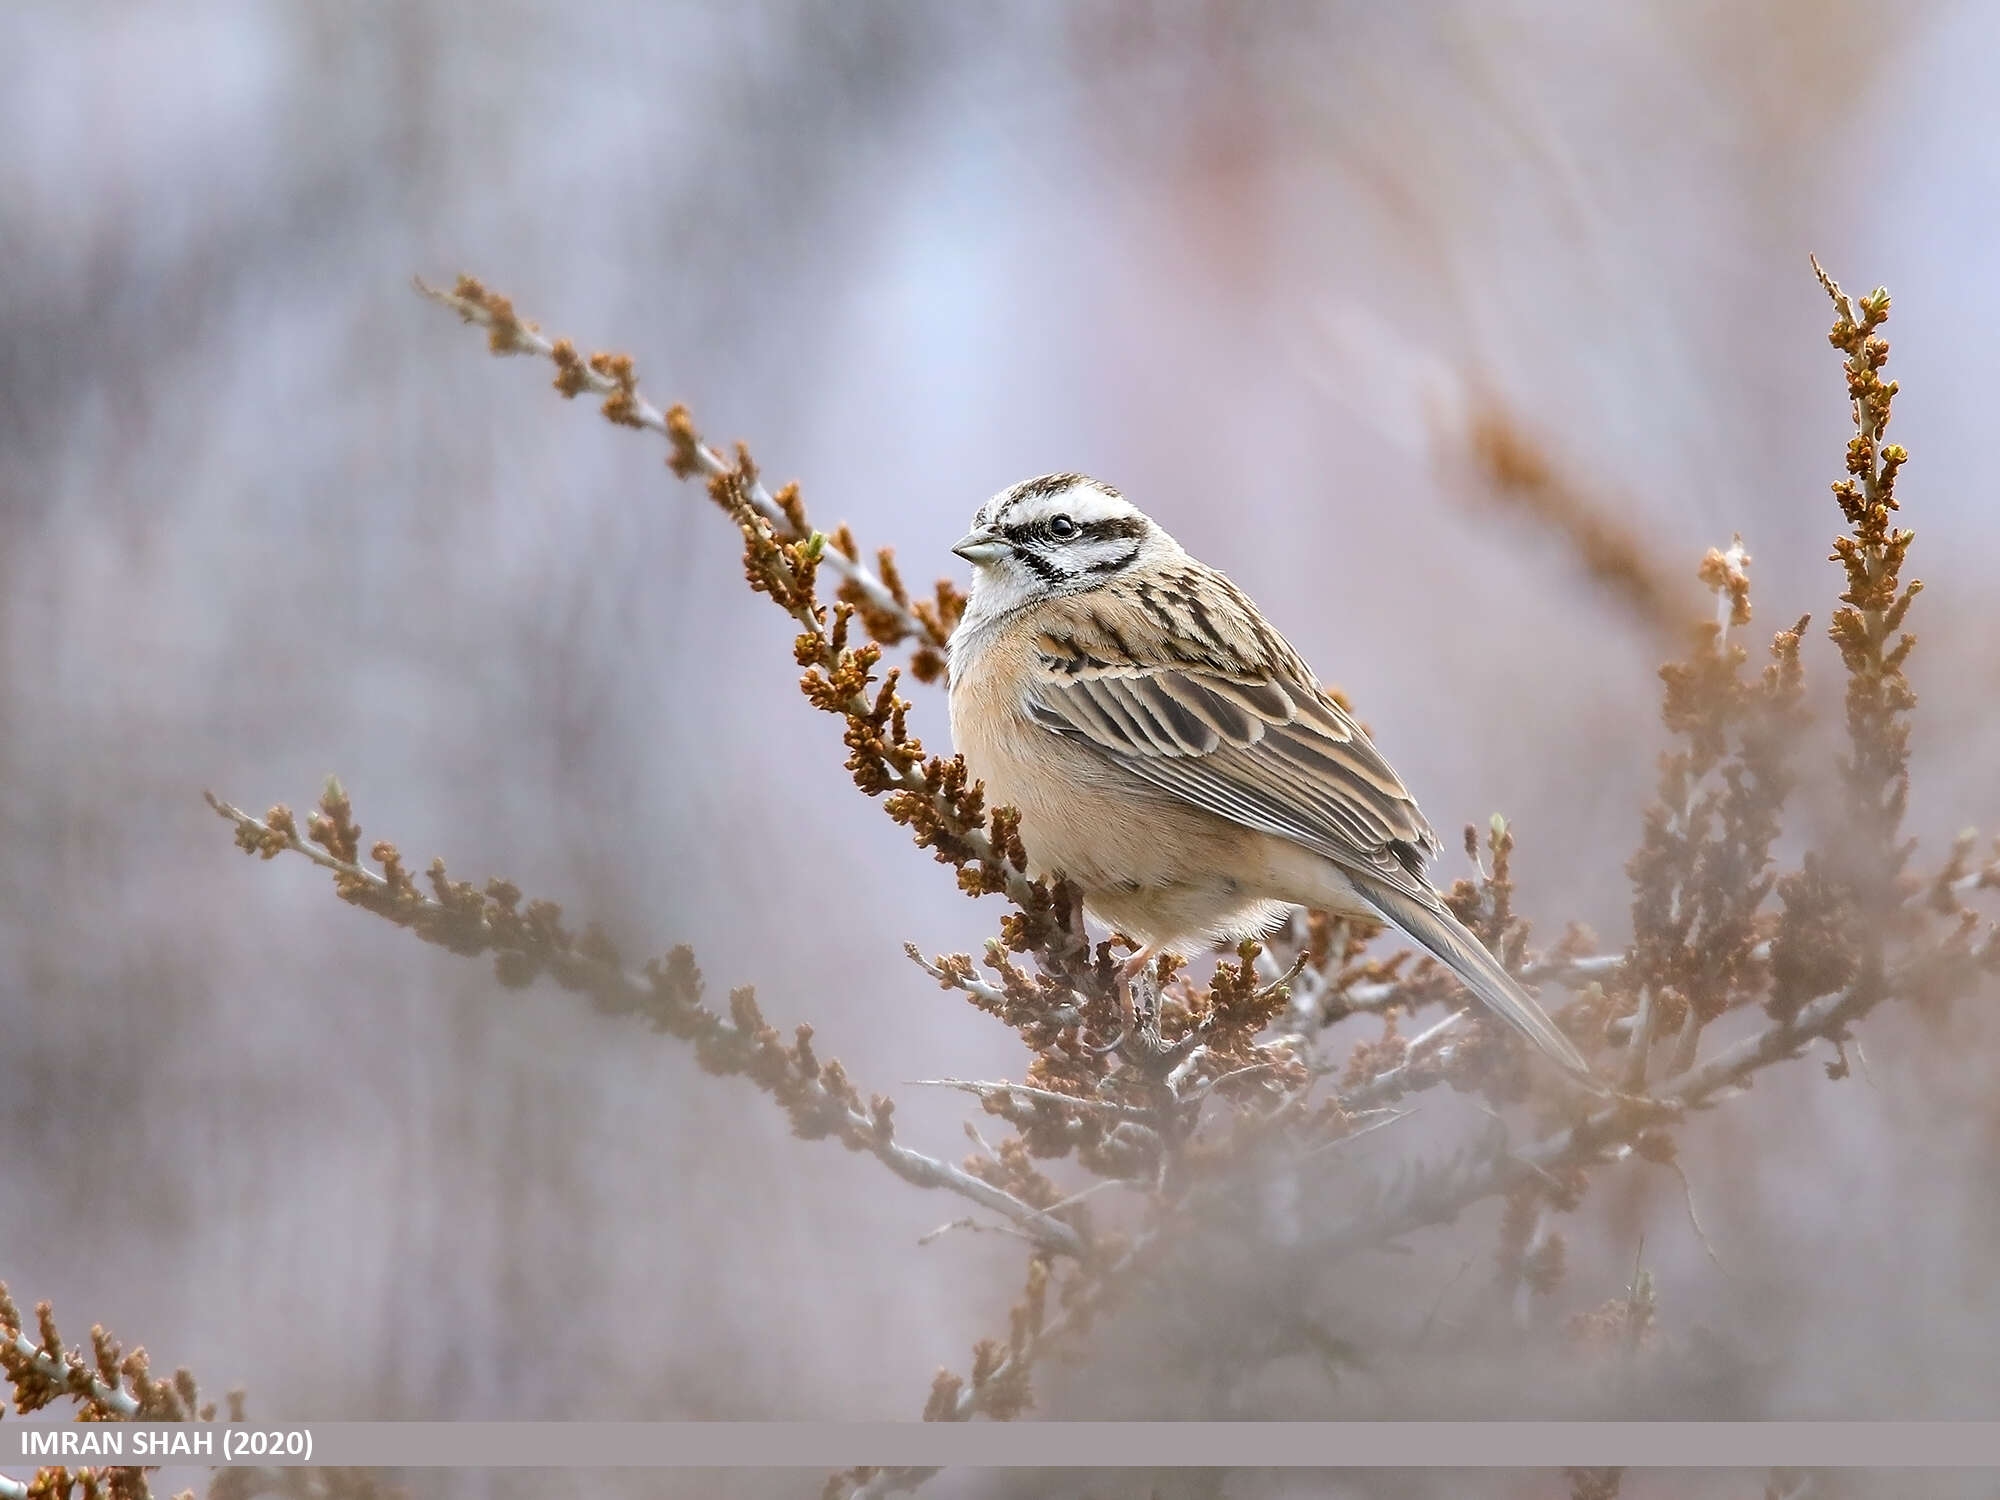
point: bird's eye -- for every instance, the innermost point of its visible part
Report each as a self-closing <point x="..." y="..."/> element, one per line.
<point x="1062" y="528"/>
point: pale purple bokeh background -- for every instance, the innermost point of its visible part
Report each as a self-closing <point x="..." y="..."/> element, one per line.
<point x="266" y="515"/>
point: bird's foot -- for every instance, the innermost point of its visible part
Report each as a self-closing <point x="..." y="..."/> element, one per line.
<point x="1130" y="974"/>
<point x="1137" y="1023"/>
<point x="1076" y="917"/>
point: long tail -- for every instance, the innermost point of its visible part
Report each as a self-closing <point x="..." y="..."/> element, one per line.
<point x="1446" y="937"/>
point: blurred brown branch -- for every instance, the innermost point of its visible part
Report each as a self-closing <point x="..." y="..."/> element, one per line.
<point x="1515" y="470"/>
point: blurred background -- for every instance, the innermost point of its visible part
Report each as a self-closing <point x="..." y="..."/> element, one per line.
<point x="265" y="515"/>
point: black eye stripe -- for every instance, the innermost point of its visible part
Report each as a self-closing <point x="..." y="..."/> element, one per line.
<point x="1126" y="528"/>
<point x="1107" y="529"/>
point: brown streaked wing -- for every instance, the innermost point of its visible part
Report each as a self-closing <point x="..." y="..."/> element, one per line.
<point x="1276" y="755"/>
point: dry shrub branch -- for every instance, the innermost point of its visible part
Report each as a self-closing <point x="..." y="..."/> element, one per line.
<point x="1144" y="1125"/>
<point x="102" y="1383"/>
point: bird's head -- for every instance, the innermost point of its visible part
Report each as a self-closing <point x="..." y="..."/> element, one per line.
<point x="1059" y="534"/>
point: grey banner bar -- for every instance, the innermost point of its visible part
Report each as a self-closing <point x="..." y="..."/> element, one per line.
<point x="1386" y="1445"/>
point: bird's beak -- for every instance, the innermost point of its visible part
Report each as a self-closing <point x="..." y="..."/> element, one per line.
<point x="979" y="547"/>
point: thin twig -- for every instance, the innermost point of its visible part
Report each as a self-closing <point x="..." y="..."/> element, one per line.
<point x="1004" y="1090"/>
<point x="974" y="1226"/>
